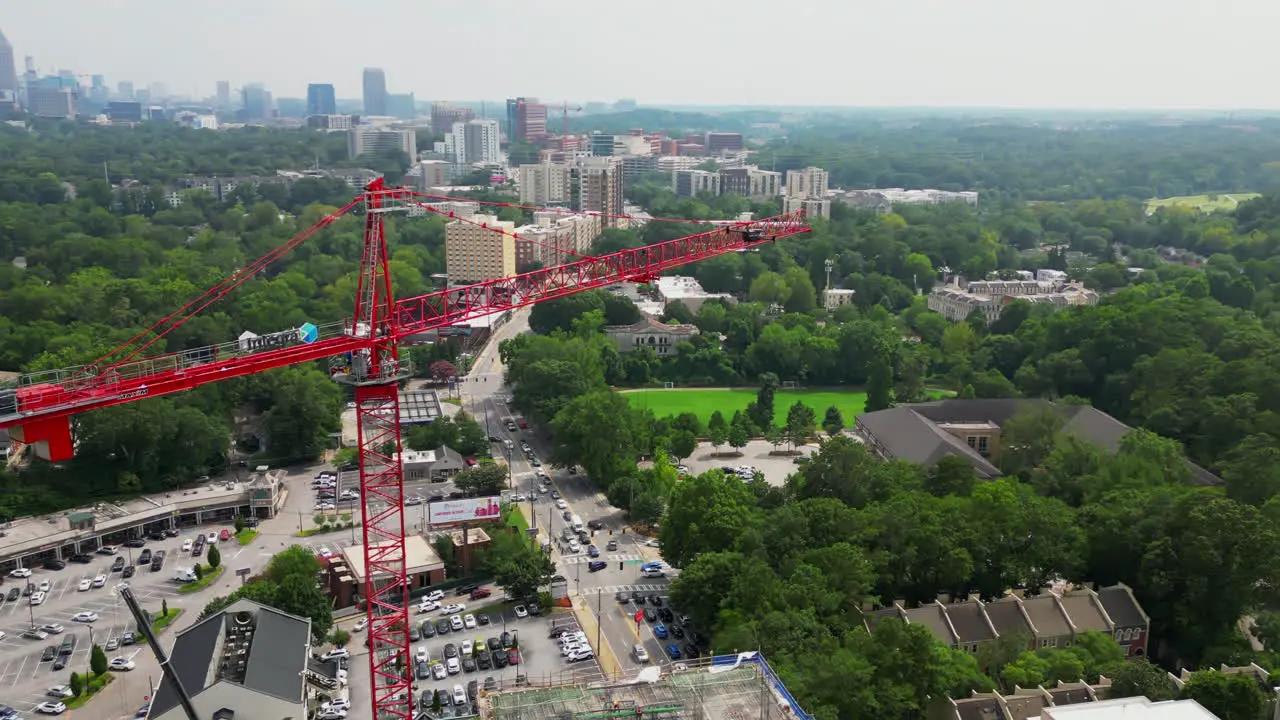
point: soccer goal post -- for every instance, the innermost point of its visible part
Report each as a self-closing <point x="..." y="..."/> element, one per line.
<point x="668" y="385"/>
<point x="788" y="384"/>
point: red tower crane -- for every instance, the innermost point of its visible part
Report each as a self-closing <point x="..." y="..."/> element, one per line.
<point x="364" y="352"/>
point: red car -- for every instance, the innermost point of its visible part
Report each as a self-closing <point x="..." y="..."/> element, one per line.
<point x="524" y="425"/>
<point x="224" y="535"/>
<point x="513" y="656"/>
<point x="480" y="593"/>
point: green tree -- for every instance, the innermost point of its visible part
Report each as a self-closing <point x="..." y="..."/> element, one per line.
<point x="1140" y="678"/>
<point x="682" y="444"/>
<point x="435" y="702"/>
<point x="879" y="383"/>
<point x="801" y="423"/>
<point x="517" y="566"/>
<point x="1230" y="697"/>
<point x="739" y="434"/>
<point x="239" y="524"/>
<point x="761" y="412"/>
<point x="775" y="436"/>
<point x="717" y="421"/>
<point x="600" y="432"/>
<point x="339" y="637"/>
<point x="833" y="421"/>
<point x="215" y="557"/>
<point x="706" y="513"/>
<point x="164" y="608"/>
<point x="719" y="436"/>
<point x="484" y="479"/>
<point x="98" y="660"/>
<point x="199" y="571"/>
<point x="77" y="684"/>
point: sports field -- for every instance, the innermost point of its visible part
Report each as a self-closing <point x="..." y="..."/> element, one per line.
<point x="704" y="402"/>
<point x="1201" y="203"/>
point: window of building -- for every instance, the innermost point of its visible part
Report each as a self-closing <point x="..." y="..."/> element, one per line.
<point x="973" y="441"/>
<point x="982" y="445"/>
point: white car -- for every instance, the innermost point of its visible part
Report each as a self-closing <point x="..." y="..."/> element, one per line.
<point x="45" y="586"/>
<point x="580" y="655"/>
<point x="574" y="547"/>
<point x="361" y="624"/>
<point x="85" y="617"/>
<point x="572" y="648"/>
<point x="324" y="552"/>
<point x="331" y="715"/>
<point x="51" y="707"/>
<point x="325" y="506"/>
<point x="438" y="672"/>
<point x="469" y="621"/>
<point x="100" y="581"/>
<point x="37" y="598"/>
<point x="212" y="538"/>
<point x="459" y="695"/>
<point x="455" y="622"/>
<point x="468" y="647"/>
<point x="20" y="573"/>
<point x="340" y="704"/>
<point x="121" y="664"/>
<point x="562" y="504"/>
<point x="350" y="495"/>
<point x="85" y="584"/>
<point x="521" y="612"/>
<point x="338" y="652"/>
<point x="453" y="666"/>
<point x="422" y="655"/>
<point x="427" y="606"/>
<point x="434" y="596"/>
<point x="59" y="691"/>
<point x="452" y="609"/>
<point x="186" y="545"/>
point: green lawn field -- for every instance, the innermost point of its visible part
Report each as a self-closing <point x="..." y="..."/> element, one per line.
<point x="705" y="402"/>
<point x="1201" y="203"/>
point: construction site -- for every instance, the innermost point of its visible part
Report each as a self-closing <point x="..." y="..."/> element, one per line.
<point x="734" y="687"/>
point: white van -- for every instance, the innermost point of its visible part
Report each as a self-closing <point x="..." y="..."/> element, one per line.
<point x="576" y="522"/>
<point x="185" y="575"/>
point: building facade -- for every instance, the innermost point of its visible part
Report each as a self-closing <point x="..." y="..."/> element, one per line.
<point x="474" y="141"/>
<point x="444" y="116"/>
<point x="375" y="91"/>
<point x="526" y="119"/>
<point x="364" y="139"/>
<point x="812" y="207"/>
<point x="718" y="142"/>
<point x="751" y="182"/>
<point x="483" y="248"/>
<point x="555" y="238"/>
<point x="321" y="99"/>
<point x="691" y="183"/>
<point x="809" y="183"/>
<point x="955" y="301"/>
<point x="596" y="187"/>
<point x="543" y="184"/>
<point x="8" y="72"/>
<point x="662" y="339"/>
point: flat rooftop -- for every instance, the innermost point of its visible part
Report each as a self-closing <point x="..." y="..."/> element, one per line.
<point x="419" y="557"/>
<point x="699" y="690"/>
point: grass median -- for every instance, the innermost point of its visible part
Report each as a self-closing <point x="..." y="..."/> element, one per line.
<point x="210" y="575"/>
<point x="93" y="687"/>
<point x="246" y="536"/>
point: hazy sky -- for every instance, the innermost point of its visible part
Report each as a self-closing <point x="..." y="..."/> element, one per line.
<point x="1009" y="53"/>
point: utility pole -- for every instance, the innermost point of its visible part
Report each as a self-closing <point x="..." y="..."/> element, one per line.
<point x="829" y="264"/>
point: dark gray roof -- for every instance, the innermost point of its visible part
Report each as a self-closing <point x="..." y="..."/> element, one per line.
<point x="980" y="709"/>
<point x="278" y="655"/>
<point x="192" y="654"/>
<point x="908" y="435"/>
<point x="1083" y="421"/>
<point x="447" y="457"/>
<point x="1122" y="606"/>
<point x="1085" y="614"/>
<point x="970" y="625"/>
<point x="1070" y="696"/>
<point x="1008" y="619"/>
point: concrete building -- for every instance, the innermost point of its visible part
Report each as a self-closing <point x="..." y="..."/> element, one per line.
<point x="256" y="102"/>
<point x="124" y="111"/>
<point x="375" y="92"/>
<point x="596" y="186"/>
<point x="662" y="339"/>
<point x="433" y="174"/>
<point x="883" y="200"/>
<point x="330" y="122"/>
<point x="526" y="119"/>
<point x="367" y="139"/>
<point x="48" y="101"/>
<point x="956" y="300"/>
<point x="423" y="566"/>
<point x="1130" y="708"/>
<point x="691" y="183"/>
<point x="672" y="163"/>
<point x="223" y="94"/>
<point x="8" y="73"/>
<point x="554" y="239"/>
<point x="483" y="248"/>
<point x="402" y="105"/>
<point x="543" y="184"/>
<point x="924" y="433"/>
<point x="717" y="142"/>
<point x="751" y="182"/>
<point x="833" y="298"/>
<point x="812" y="207"/>
<point x="444" y="116"/>
<point x="688" y="291"/>
<point x="321" y="99"/>
<point x="474" y="141"/>
<point x="249" y="658"/>
<point x="809" y="183"/>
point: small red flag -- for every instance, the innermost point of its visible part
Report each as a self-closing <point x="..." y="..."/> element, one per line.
<point x="639" y="616"/>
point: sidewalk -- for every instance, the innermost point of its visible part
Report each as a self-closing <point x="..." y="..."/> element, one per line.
<point x="591" y="626"/>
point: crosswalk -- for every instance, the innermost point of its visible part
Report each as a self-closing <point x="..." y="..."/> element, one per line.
<point x="613" y="589"/>
<point x="613" y="558"/>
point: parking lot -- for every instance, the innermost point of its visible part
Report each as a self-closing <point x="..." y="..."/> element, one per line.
<point x="775" y="468"/>
<point x="24" y="675"/>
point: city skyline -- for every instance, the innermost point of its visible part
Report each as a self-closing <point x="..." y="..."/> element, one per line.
<point x="1094" y="54"/>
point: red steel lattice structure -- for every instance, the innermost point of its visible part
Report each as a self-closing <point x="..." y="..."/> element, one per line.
<point x="363" y="352"/>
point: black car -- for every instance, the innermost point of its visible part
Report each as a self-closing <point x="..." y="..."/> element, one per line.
<point x="666" y="615"/>
<point x="14" y="593"/>
<point x="157" y="536"/>
<point x="197" y="550"/>
<point x="435" y="498"/>
<point x="465" y="589"/>
<point x="534" y="610"/>
<point x="171" y="532"/>
<point x="638" y="598"/>
<point x="450" y="650"/>
<point x="468" y="665"/>
<point x="442" y="627"/>
<point x="30" y="588"/>
<point x="484" y="662"/>
<point x="499" y="658"/>
<point x="655" y="600"/>
<point x="650" y="615"/>
<point x="595" y="524"/>
<point x="54" y="565"/>
<point x="472" y="688"/>
<point x="135" y="543"/>
<point x="49" y="653"/>
<point x="82" y="558"/>
<point x="507" y="640"/>
<point x="596" y="566"/>
<point x="414" y="635"/>
<point x="128" y="571"/>
<point x="60" y="662"/>
<point x="118" y="565"/>
<point x="144" y="557"/>
<point x="428" y="629"/>
<point x="482" y="619"/>
<point x="691" y="651"/>
<point x="676" y="631"/>
<point x="423" y="671"/>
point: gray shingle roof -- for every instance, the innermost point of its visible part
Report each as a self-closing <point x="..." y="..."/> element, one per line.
<point x="1007" y="618"/>
<point x="970" y="625"/>
<point x="278" y="655"/>
<point x="980" y="709"/>
<point x="1046" y="616"/>
<point x="933" y="617"/>
<point x="1123" y="608"/>
<point x="1084" y="613"/>
<point x="908" y="435"/>
<point x="191" y="657"/>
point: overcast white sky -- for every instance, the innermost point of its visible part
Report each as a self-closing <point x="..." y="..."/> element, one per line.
<point x="1007" y="53"/>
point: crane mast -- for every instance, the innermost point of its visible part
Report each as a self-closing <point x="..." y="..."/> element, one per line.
<point x="364" y="353"/>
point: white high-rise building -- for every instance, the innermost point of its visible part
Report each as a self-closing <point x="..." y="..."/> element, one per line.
<point x="545" y="184"/>
<point x="368" y="139"/>
<point x="810" y="183"/>
<point x="475" y="141"/>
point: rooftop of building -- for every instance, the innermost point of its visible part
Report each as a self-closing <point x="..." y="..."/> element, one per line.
<point x="650" y="324"/>
<point x="1130" y="708"/>
<point x="259" y="648"/>
<point x="474" y="536"/>
<point x="419" y="406"/>
<point x="418" y="554"/>
<point x="723" y="688"/>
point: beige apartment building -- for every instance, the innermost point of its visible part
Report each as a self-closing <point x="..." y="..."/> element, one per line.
<point x="544" y="184"/>
<point x="482" y="249"/>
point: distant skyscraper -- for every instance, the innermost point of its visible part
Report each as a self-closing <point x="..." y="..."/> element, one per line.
<point x="158" y="91"/>
<point x="375" y="92"/>
<point x="475" y="141"/>
<point x="444" y="115"/>
<point x="257" y="102"/>
<point x="401" y="105"/>
<point x="8" y="71"/>
<point x="321" y="99"/>
<point x="124" y="89"/>
<point x="223" y="98"/>
<point x="526" y="119"/>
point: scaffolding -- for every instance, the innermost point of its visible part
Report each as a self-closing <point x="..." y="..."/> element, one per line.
<point x="738" y="693"/>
